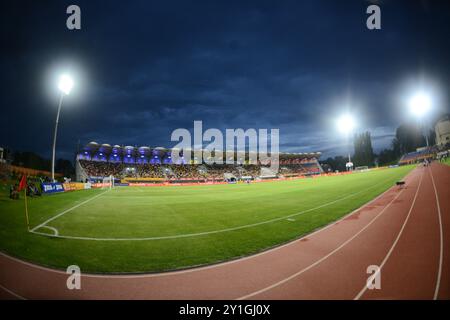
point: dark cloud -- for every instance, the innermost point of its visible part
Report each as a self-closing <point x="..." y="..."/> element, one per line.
<point x="149" y="67"/>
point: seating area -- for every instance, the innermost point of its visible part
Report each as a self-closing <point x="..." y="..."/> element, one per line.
<point x="188" y="172"/>
<point x="102" y="160"/>
<point x="310" y="168"/>
<point x="417" y="156"/>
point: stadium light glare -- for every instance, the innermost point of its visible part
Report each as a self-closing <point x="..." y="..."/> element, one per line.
<point x="65" y="84"/>
<point x="420" y="104"/>
<point x="346" y="123"/>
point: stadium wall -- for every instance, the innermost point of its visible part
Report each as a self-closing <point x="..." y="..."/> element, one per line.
<point x="80" y="173"/>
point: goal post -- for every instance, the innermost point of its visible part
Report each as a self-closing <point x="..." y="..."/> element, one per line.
<point x="108" y="182"/>
<point x="362" y="168"/>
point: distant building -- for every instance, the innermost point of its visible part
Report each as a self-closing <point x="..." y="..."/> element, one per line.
<point x="2" y="160"/>
<point x="442" y="129"/>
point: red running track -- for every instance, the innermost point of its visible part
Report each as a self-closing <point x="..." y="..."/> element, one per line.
<point x="405" y="232"/>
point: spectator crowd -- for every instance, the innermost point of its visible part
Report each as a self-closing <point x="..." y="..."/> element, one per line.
<point x="185" y="171"/>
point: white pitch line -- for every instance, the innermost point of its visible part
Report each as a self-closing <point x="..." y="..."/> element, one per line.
<point x="188" y="235"/>
<point x="363" y="290"/>
<point x="324" y="257"/>
<point x="65" y="211"/>
<point x="441" y="232"/>
<point x="52" y="228"/>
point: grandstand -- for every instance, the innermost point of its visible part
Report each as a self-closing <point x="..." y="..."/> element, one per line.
<point x="4" y="167"/>
<point x="442" y="131"/>
<point x="417" y="156"/>
<point x="154" y="165"/>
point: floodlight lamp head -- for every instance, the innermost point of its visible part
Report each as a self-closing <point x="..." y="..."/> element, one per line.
<point x="420" y="104"/>
<point x="346" y="124"/>
<point x="65" y="84"/>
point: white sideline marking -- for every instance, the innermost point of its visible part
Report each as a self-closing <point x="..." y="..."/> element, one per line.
<point x="200" y="233"/>
<point x="64" y="212"/>
<point x="324" y="257"/>
<point x="359" y="295"/>
<point x="441" y="232"/>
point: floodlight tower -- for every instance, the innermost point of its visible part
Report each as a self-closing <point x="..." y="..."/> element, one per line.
<point x="346" y="125"/>
<point x="420" y="105"/>
<point x="65" y="85"/>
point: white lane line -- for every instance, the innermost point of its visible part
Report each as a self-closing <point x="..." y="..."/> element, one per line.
<point x="65" y="211"/>
<point x="363" y="290"/>
<point x="441" y="233"/>
<point x="324" y="257"/>
<point x="188" y="235"/>
<point x="12" y="293"/>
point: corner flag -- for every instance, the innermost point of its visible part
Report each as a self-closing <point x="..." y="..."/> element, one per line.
<point x="23" y="183"/>
<point x="23" y="186"/>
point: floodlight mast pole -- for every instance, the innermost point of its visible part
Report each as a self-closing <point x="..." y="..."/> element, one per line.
<point x="348" y="146"/>
<point x="424" y="129"/>
<point x="54" y="136"/>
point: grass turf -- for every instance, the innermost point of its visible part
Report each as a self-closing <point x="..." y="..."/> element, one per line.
<point x="447" y="161"/>
<point x="139" y="212"/>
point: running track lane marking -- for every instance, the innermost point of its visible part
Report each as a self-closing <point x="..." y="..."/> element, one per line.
<point x="324" y="257"/>
<point x="12" y="293"/>
<point x="441" y="232"/>
<point x="188" y="235"/>
<point x="363" y="290"/>
<point x="65" y="211"/>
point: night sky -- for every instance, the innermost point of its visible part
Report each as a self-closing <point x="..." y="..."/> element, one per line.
<point x="145" y="68"/>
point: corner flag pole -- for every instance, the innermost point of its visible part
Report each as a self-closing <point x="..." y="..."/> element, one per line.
<point x="26" y="209"/>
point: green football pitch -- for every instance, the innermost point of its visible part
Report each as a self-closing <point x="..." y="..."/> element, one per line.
<point x="139" y="229"/>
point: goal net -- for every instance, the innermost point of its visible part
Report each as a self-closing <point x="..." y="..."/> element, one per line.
<point x="362" y="168"/>
<point x="108" y="182"/>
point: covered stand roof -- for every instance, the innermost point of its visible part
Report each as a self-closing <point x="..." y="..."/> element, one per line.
<point x="93" y="147"/>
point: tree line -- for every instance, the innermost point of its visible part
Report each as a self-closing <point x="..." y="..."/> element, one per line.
<point x="408" y="137"/>
<point x="34" y="161"/>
